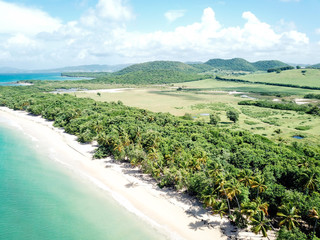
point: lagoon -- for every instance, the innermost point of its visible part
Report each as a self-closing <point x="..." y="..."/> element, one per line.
<point x="10" y="78"/>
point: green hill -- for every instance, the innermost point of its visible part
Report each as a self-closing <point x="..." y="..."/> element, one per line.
<point x="315" y="66"/>
<point x="159" y="65"/>
<point x="235" y="64"/>
<point x="202" y="67"/>
<point x="239" y="64"/>
<point x="150" y="77"/>
<point x="271" y="64"/>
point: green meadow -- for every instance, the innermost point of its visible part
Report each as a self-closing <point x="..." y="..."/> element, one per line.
<point x="302" y="77"/>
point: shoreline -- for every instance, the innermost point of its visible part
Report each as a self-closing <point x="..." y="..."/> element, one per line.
<point x="173" y="214"/>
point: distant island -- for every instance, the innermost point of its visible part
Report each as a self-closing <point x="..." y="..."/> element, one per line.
<point x="234" y="64"/>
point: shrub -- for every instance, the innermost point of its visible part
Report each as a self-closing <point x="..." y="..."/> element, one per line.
<point x="233" y="115"/>
<point x="294" y="234"/>
<point x="214" y="119"/>
<point x="303" y="128"/>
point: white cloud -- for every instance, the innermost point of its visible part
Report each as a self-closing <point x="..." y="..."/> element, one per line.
<point x="107" y="12"/>
<point x="114" y="10"/>
<point x="20" y="40"/>
<point x="295" y="37"/>
<point x="100" y="36"/>
<point x="173" y="15"/>
<point x="15" y="18"/>
<point x="317" y="31"/>
<point x="207" y="39"/>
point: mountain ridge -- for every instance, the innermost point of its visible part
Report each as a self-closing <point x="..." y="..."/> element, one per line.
<point x="240" y="64"/>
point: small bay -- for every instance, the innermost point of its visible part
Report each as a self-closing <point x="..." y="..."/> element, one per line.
<point x="10" y="78"/>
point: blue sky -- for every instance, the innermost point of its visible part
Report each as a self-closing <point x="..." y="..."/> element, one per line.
<point x="55" y="33"/>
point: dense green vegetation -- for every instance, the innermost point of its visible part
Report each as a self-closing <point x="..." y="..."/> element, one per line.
<point x="278" y="70"/>
<point x="159" y="65"/>
<point x="202" y="67"/>
<point x="246" y="176"/>
<point x="239" y="64"/>
<point x="235" y="64"/>
<point x="151" y="77"/>
<point x="141" y="77"/>
<point x="85" y="74"/>
<point x="312" y="96"/>
<point x="269" y="64"/>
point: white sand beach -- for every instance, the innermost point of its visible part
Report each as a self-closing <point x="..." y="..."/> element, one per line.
<point x="176" y="215"/>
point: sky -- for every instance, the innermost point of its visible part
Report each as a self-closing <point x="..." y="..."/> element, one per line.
<point x="38" y="34"/>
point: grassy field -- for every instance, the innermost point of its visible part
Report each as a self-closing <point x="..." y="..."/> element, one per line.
<point x="160" y="99"/>
<point x="311" y="77"/>
<point x="211" y="84"/>
<point x="202" y="98"/>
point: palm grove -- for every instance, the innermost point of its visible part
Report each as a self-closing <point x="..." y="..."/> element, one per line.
<point x="254" y="181"/>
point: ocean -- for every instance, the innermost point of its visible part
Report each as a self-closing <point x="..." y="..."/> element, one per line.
<point x="9" y="78"/>
<point x="41" y="199"/>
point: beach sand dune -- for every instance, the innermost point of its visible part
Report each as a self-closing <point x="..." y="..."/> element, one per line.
<point x="176" y="215"/>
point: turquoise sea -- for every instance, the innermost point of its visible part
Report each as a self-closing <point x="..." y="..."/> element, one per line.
<point x="41" y="199"/>
<point x="9" y="78"/>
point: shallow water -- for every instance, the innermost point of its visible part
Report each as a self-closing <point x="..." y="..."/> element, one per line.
<point x="297" y="137"/>
<point x="41" y="199"/>
<point x="9" y="78"/>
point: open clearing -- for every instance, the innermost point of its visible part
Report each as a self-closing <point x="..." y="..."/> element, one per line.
<point x="302" y="77"/>
<point x="201" y="98"/>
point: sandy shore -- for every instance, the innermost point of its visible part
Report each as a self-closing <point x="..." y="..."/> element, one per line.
<point x="176" y="215"/>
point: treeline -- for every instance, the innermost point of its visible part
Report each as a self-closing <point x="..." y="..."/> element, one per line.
<point x="159" y="65"/>
<point x="280" y="69"/>
<point x="147" y="77"/>
<point x="266" y="83"/>
<point x="239" y="64"/>
<point x="309" y="109"/>
<point x="253" y="180"/>
<point x="85" y="74"/>
<point x="312" y="96"/>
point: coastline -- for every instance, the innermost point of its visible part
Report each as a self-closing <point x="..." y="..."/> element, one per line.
<point x="176" y="215"/>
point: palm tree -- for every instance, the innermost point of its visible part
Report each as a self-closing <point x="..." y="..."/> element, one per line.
<point x="289" y="215"/>
<point x="219" y="208"/>
<point x="213" y="172"/>
<point x="313" y="213"/>
<point x="221" y="181"/>
<point x="262" y="206"/>
<point x="209" y="200"/>
<point x="246" y="177"/>
<point x="312" y="182"/>
<point x="260" y="224"/>
<point x="249" y="209"/>
<point x="305" y="163"/>
<point x="258" y="183"/>
<point x="252" y="208"/>
<point x="232" y="190"/>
